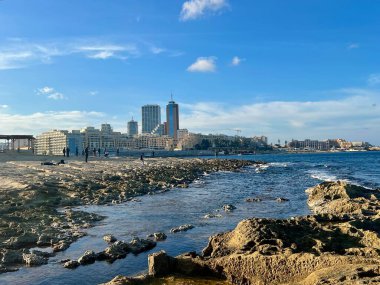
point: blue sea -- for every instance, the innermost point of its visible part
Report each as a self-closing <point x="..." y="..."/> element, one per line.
<point x="285" y="175"/>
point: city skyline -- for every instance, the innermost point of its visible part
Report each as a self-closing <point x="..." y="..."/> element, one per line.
<point x="270" y="68"/>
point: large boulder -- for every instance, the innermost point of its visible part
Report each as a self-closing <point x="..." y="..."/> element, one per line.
<point x="160" y="264"/>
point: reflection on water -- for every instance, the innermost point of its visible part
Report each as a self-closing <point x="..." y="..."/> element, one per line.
<point x="288" y="177"/>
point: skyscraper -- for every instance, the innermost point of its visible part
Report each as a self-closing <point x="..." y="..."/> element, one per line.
<point x="132" y="128"/>
<point x="151" y="117"/>
<point x="172" y="119"/>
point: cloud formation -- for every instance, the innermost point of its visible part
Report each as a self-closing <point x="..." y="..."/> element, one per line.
<point x="353" y="46"/>
<point x="37" y="123"/>
<point x="236" y="61"/>
<point x="356" y="117"/>
<point x="194" y="9"/>
<point x="203" y="64"/>
<point x="50" y="93"/>
<point x="374" y="79"/>
<point x="109" y="51"/>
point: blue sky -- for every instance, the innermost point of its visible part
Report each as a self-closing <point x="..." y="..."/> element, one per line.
<point x="286" y="69"/>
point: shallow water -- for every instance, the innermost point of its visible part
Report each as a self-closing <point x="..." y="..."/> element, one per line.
<point x="286" y="176"/>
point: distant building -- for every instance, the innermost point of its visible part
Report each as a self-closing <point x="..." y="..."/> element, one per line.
<point x="310" y="144"/>
<point x="132" y="128"/>
<point x="151" y="118"/>
<point x="172" y="119"/>
<point x="53" y="142"/>
<point x="159" y="130"/>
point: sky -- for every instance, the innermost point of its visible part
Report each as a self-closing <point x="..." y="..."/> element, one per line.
<point x="284" y="69"/>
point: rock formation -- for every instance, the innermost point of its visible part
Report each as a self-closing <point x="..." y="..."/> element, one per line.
<point x="339" y="244"/>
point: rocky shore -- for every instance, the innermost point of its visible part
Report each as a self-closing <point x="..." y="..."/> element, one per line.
<point x="36" y="200"/>
<point x="339" y="244"/>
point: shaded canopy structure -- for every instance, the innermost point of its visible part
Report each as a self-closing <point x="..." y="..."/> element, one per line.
<point x="13" y="142"/>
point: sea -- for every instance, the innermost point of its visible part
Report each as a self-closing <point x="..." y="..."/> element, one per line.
<point x="284" y="176"/>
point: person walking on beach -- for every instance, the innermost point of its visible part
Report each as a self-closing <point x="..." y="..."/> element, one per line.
<point x="99" y="151"/>
<point x="117" y="152"/>
<point x="142" y="159"/>
<point x="94" y="151"/>
<point x="86" y="153"/>
<point x="67" y="152"/>
<point x="64" y="151"/>
<point x="76" y="151"/>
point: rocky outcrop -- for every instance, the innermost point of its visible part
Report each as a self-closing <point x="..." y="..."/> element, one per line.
<point x="182" y="228"/>
<point x="32" y="193"/>
<point x="340" y="244"/>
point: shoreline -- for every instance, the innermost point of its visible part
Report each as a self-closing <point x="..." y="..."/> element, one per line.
<point x="31" y="195"/>
<point x="338" y="244"/>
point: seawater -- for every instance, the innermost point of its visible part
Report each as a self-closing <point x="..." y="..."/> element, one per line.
<point x="287" y="176"/>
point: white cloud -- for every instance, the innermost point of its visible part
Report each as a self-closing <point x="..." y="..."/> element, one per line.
<point x="157" y="50"/>
<point x="93" y="93"/>
<point x="50" y="93"/>
<point x="108" y="51"/>
<point x="236" y="61"/>
<point x="374" y="79"/>
<point x="43" y="121"/>
<point x="193" y="9"/>
<point x="203" y="64"/>
<point x="21" y="54"/>
<point x="355" y="117"/>
<point x="56" y="96"/>
<point x="353" y="46"/>
<point x="4" y="106"/>
<point x="45" y="90"/>
<point x="14" y="59"/>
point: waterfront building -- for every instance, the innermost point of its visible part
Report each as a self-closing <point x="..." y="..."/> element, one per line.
<point x="53" y="142"/>
<point x="172" y="119"/>
<point x="132" y="128"/>
<point x="151" y="118"/>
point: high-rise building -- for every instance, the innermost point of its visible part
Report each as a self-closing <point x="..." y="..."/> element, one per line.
<point x="132" y="128"/>
<point x="172" y="119"/>
<point x="151" y="118"/>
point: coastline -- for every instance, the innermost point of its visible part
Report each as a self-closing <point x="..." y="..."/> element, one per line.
<point x="338" y="244"/>
<point x="37" y="199"/>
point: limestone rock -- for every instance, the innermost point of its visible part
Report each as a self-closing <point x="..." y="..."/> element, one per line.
<point x="71" y="264"/>
<point x="109" y="238"/>
<point x="182" y="228"/>
<point x="228" y="208"/>
<point x="87" y="258"/>
<point x="34" y="259"/>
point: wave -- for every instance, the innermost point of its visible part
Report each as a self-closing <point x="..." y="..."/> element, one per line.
<point x="323" y="175"/>
<point x="280" y="164"/>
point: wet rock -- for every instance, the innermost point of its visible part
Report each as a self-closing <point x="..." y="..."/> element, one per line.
<point x="34" y="259"/>
<point x="281" y="200"/>
<point x="250" y="200"/>
<point x="118" y="249"/>
<point x="44" y="240"/>
<point x="211" y="216"/>
<point x="228" y="208"/>
<point x="109" y="238"/>
<point x="61" y="246"/>
<point x="25" y="240"/>
<point x="138" y="245"/>
<point x="157" y="236"/>
<point x="71" y="264"/>
<point x="182" y="228"/>
<point x="160" y="264"/>
<point x="10" y="256"/>
<point x="87" y="258"/>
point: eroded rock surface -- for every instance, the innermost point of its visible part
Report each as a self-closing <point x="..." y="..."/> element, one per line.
<point x="31" y="194"/>
<point x="339" y="244"/>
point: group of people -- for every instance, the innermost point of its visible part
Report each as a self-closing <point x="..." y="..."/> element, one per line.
<point x="85" y="152"/>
